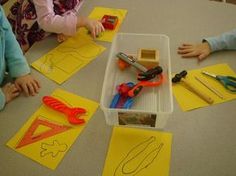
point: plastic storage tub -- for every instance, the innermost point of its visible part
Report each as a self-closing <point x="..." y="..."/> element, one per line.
<point x="153" y="105"/>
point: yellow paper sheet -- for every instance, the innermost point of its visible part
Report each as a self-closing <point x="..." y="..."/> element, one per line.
<point x="69" y="57"/>
<point x="138" y="152"/>
<point x="51" y="150"/>
<point x="98" y="13"/>
<point x="189" y="101"/>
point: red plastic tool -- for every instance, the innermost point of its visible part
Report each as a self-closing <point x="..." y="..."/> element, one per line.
<point x="109" y="21"/>
<point x="73" y="114"/>
<point x="138" y="87"/>
<point x="30" y="136"/>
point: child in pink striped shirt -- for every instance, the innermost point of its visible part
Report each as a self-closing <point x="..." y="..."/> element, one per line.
<point x="39" y="18"/>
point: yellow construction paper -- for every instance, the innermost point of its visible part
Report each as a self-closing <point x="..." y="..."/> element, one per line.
<point x="189" y="101"/>
<point x="98" y="13"/>
<point x="135" y="151"/>
<point x="50" y="151"/>
<point x="63" y="61"/>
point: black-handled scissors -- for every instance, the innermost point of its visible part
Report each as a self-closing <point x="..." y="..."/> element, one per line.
<point x="229" y="82"/>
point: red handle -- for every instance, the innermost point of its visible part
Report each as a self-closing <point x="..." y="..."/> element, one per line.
<point x="55" y="104"/>
<point x="59" y="106"/>
<point x="138" y="87"/>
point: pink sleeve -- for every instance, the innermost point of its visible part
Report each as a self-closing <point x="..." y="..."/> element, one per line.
<point x="51" y="22"/>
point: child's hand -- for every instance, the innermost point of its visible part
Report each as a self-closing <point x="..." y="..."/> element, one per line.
<point x="10" y="91"/>
<point x="28" y="84"/>
<point x="94" y="26"/>
<point x="200" y="50"/>
<point x="61" y="37"/>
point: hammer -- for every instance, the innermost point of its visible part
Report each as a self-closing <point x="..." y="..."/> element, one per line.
<point x="181" y="77"/>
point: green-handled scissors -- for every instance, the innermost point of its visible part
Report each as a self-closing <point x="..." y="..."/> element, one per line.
<point x="229" y="82"/>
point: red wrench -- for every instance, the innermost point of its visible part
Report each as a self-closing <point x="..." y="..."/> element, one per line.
<point x="72" y="113"/>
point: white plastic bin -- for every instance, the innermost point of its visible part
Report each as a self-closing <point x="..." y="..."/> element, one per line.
<point x="153" y="105"/>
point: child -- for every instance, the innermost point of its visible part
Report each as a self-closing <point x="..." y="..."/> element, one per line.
<point x="39" y="17"/>
<point x="226" y="41"/>
<point x="12" y="59"/>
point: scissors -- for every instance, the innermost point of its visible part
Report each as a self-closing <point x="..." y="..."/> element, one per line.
<point x="229" y="82"/>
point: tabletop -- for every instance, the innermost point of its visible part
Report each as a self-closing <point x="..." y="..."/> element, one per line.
<point x="203" y="139"/>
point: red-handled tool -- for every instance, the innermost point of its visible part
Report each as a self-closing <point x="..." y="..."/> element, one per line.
<point x="138" y="87"/>
<point x="73" y="114"/>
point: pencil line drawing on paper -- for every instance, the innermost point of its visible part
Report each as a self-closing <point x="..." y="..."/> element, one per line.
<point x="47" y="136"/>
<point x="62" y="62"/>
<point x="32" y="136"/>
<point x="52" y="149"/>
<point x="67" y="63"/>
<point x="81" y="51"/>
<point x="47" y="64"/>
<point x="140" y="157"/>
<point x="69" y="58"/>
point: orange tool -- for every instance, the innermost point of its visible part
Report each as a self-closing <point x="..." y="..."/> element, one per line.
<point x="73" y="114"/>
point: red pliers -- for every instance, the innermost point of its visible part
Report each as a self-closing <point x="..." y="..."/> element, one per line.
<point x="72" y="114"/>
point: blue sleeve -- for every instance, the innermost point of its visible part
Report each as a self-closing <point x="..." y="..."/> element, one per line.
<point x="225" y="41"/>
<point x="15" y="59"/>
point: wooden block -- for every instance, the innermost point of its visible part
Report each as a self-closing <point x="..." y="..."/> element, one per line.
<point x="148" y="57"/>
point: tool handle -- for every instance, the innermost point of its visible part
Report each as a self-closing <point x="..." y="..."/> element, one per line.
<point x="229" y="82"/>
<point x="211" y="88"/>
<point x="197" y="91"/>
<point x="55" y="104"/>
<point x="131" y="61"/>
<point x="59" y="106"/>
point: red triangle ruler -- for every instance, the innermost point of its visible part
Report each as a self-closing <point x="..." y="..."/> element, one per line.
<point x="29" y="136"/>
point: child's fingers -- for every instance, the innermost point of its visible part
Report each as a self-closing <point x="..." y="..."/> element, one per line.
<point x="10" y="92"/>
<point x="31" y="89"/>
<point x="11" y="96"/>
<point x="37" y="83"/>
<point x="187" y="55"/>
<point x="185" y="51"/>
<point x="25" y="89"/>
<point x="8" y="85"/>
<point x="93" y="32"/>
<point x="15" y="94"/>
<point x="185" y="47"/>
<point x="35" y="86"/>
<point x="98" y="30"/>
<point x="186" y="44"/>
<point x="11" y="87"/>
<point x="18" y="87"/>
<point x="14" y="89"/>
<point x="202" y="56"/>
<point x="102" y="28"/>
